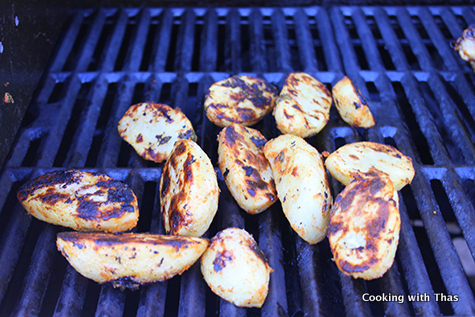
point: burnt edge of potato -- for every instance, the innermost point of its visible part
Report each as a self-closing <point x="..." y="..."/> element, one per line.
<point x="253" y="93"/>
<point x="87" y="209"/>
<point x="468" y="33"/>
<point x="367" y="187"/>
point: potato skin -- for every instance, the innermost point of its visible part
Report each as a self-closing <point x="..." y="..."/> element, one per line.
<point x="303" y="106"/>
<point x="80" y="200"/>
<point x="302" y="185"/>
<point x="465" y="45"/>
<point x="363" y="159"/>
<point x="240" y="99"/>
<point x="351" y="105"/>
<point x="189" y="191"/>
<point x="364" y="227"/>
<point x="245" y="169"/>
<point x="152" y="129"/>
<point x="130" y="259"/>
<point x="235" y="268"/>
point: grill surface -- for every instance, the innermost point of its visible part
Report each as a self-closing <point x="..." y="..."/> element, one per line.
<point x="420" y="91"/>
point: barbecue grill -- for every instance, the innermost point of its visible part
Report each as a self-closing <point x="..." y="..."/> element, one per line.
<point x="106" y="59"/>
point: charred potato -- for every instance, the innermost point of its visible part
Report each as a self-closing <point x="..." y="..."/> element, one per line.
<point x="351" y="105"/>
<point x="80" y="200"/>
<point x="130" y="259"/>
<point x="245" y="169"/>
<point x="465" y="45"/>
<point x="364" y="159"/>
<point x="235" y="268"/>
<point x="364" y="227"/>
<point x="152" y="129"/>
<point x="189" y="191"/>
<point x="303" y="106"/>
<point x="302" y="185"/>
<point x="240" y="99"/>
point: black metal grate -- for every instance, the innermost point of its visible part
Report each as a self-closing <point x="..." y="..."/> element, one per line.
<point x="421" y="92"/>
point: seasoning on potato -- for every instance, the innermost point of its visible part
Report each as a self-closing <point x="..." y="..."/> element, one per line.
<point x="80" y="200"/>
<point x="245" y="169"/>
<point x="302" y="185"/>
<point x="189" y="191"/>
<point x="465" y="45"/>
<point x="303" y="106"/>
<point x="351" y="105"/>
<point x="240" y="99"/>
<point x="130" y="259"/>
<point x="235" y="268"/>
<point x="364" y="227"/>
<point x="363" y="159"/>
<point x="152" y="129"/>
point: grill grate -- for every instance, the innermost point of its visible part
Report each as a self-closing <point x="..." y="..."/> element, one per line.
<point x="420" y="91"/>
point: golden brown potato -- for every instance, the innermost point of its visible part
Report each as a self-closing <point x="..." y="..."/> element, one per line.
<point x="465" y="45"/>
<point x="364" y="227"/>
<point x="152" y="129"/>
<point x="80" y="200"/>
<point x="235" y="268"/>
<point x="303" y="106"/>
<point x="130" y="259"/>
<point x="189" y="191"/>
<point x="245" y="169"/>
<point x="351" y="105"/>
<point x="239" y="99"/>
<point x="302" y="185"/>
<point x="363" y="159"/>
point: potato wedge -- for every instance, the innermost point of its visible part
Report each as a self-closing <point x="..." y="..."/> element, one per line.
<point x="245" y="168"/>
<point x="130" y="259"/>
<point x="302" y="185"/>
<point x="189" y="191"/>
<point x="465" y="45"/>
<point x="80" y="200"/>
<point x="363" y="159"/>
<point x="364" y="227"/>
<point x="303" y="106"/>
<point x="351" y="105"/>
<point x="240" y="99"/>
<point x="152" y="129"/>
<point x="235" y="268"/>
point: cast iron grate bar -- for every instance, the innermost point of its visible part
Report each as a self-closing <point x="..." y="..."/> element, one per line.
<point x="108" y="59"/>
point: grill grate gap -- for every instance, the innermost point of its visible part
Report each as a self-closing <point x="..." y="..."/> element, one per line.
<point x="173" y="298"/>
<point x="78" y="44"/>
<point x="373" y="92"/>
<point x="317" y="44"/>
<point x="398" y="262"/>
<point x="377" y="307"/>
<point x="58" y="93"/>
<point x="106" y="32"/>
<point x="34" y="151"/>
<point x="469" y="186"/>
<point x="93" y="291"/>
<point x="412" y="61"/>
<point x="8" y="208"/>
<point x="221" y="56"/>
<point x="165" y="93"/>
<point x="124" y="154"/>
<point x="79" y="108"/>
<point x="149" y="48"/>
<point x="434" y="108"/>
<point x="410" y="119"/>
<point x="125" y="46"/>
<point x="131" y="303"/>
<point x="383" y="52"/>
<point x="356" y="43"/>
<point x="169" y="67"/>
<point x="294" y="49"/>
<point x="410" y="203"/>
<point x="463" y="112"/>
<point x="444" y="206"/>
<point x="139" y="93"/>
<point x="101" y="125"/>
<point x="147" y="206"/>
<point x="245" y="46"/>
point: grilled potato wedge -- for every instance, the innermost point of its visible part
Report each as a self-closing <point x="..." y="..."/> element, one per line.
<point x="235" y="268"/>
<point x="364" y="159"/>
<point x="245" y="168"/>
<point x="240" y="99"/>
<point x="364" y="227"/>
<point x="303" y="106"/>
<point x="465" y="45"/>
<point x="130" y="259"/>
<point x="80" y="200"/>
<point x="302" y="185"/>
<point x="152" y="129"/>
<point x="189" y="191"/>
<point x="351" y="105"/>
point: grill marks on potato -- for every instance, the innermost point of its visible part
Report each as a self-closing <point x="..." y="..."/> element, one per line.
<point x="152" y="129"/>
<point x="130" y="259"/>
<point x="364" y="159"/>
<point x="364" y="227"/>
<point x="189" y="190"/>
<point x="80" y="200"/>
<point x="303" y="106"/>
<point x="351" y="105"/>
<point x="245" y="169"/>
<point x="239" y="99"/>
